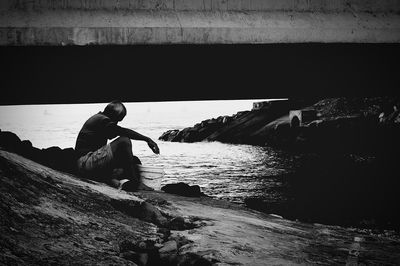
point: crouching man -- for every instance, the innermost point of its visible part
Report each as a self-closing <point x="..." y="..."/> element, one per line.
<point x="99" y="160"/>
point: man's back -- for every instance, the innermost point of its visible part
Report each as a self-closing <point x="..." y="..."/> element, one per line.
<point x="94" y="133"/>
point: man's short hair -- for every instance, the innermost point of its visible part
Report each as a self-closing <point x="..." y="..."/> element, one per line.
<point x="115" y="110"/>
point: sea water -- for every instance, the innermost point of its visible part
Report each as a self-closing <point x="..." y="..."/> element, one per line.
<point x="228" y="171"/>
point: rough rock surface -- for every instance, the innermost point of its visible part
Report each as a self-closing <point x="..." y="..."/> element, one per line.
<point x="49" y="217"/>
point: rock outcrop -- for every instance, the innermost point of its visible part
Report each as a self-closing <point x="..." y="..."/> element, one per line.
<point x="54" y="157"/>
<point x="237" y="128"/>
<point x="343" y="125"/>
<point x="49" y="217"/>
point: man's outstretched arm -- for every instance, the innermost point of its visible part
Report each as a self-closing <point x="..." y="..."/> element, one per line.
<point x="137" y="136"/>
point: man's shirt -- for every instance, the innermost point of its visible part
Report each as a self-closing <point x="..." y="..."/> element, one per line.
<point x="95" y="133"/>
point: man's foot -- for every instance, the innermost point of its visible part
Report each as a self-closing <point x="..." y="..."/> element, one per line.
<point x="129" y="185"/>
<point x="114" y="183"/>
<point x="144" y="187"/>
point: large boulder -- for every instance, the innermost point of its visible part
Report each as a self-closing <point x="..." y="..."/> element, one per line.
<point x="10" y="141"/>
<point x="60" y="159"/>
<point x="183" y="189"/>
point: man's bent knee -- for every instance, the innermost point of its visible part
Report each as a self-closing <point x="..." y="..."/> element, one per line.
<point x="121" y="146"/>
<point x="121" y="143"/>
<point x="123" y="140"/>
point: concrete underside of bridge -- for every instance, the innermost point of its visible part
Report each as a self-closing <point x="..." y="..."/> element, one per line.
<point x="125" y="22"/>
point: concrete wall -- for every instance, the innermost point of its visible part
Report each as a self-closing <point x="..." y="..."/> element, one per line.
<point x="124" y="22"/>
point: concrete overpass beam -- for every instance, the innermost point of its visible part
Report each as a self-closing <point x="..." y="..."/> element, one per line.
<point x="125" y="22"/>
<point x="206" y="5"/>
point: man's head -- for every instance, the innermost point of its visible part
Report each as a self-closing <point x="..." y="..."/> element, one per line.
<point x="115" y="110"/>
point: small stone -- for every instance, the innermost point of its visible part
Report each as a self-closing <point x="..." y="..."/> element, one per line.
<point x="165" y="232"/>
<point x="185" y="247"/>
<point x="181" y="240"/>
<point x="177" y="223"/>
<point x="169" y="246"/>
<point x="199" y="224"/>
<point x="98" y="238"/>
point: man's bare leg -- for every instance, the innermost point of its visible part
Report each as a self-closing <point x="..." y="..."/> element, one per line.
<point x="123" y="157"/>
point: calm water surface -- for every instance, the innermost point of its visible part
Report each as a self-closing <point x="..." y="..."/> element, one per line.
<point x="227" y="171"/>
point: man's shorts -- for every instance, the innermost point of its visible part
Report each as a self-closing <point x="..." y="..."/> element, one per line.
<point x="97" y="163"/>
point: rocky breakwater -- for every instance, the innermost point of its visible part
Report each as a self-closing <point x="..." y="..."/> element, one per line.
<point x="341" y="124"/>
<point x="238" y="128"/>
<point x="202" y="130"/>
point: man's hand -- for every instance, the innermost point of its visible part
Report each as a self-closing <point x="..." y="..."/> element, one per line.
<point x="153" y="146"/>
